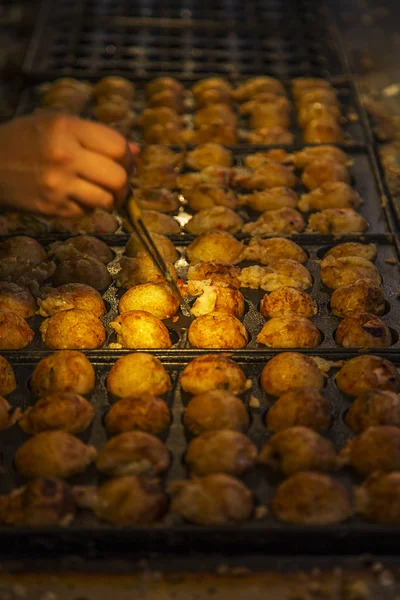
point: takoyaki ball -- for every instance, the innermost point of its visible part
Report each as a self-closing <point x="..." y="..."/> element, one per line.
<point x="290" y="370"/>
<point x="219" y="299"/>
<point x="218" y="218"/>
<point x="337" y="272"/>
<point x="68" y="370"/>
<point x="289" y="331"/>
<point x="362" y="296"/>
<point x="308" y="154"/>
<point x="298" y="449"/>
<point x="320" y="95"/>
<point x="160" y="84"/>
<point x="53" y="454"/>
<point x="160" y="223"/>
<point x="64" y="98"/>
<point x="378" y="498"/>
<point x="218" y="132"/>
<point x="213" y="372"/>
<point x="211" y="83"/>
<point x="325" y="130"/>
<point x="158" y="299"/>
<point x="96" y="222"/>
<point x="282" y="220"/>
<point x="24" y="248"/>
<point x="164" y="245"/>
<point x="258" y="85"/>
<point x="209" y="154"/>
<point x="311" y="499"/>
<point x="257" y="159"/>
<point x="7" y="377"/>
<point x="65" y="411"/>
<point x="367" y="251"/>
<point x="138" y="373"/>
<point x="265" y="251"/>
<point x="133" y="453"/>
<point x="140" y="329"/>
<point x="86" y="244"/>
<point x="330" y="195"/>
<point x="159" y="199"/>
<point x="271" y="114"/>
<point x="16" y="299"/>
<point x="159" y="115"/>
<point x="169" y="98"/>
<point x="270" y="174"/>
<point x="321" y="171"/>
<point x="202" y="196"/>
<point x="214" y="410"/>
<point x="142" y="412"/>
<point x="15" y="332"/>
<point x="270" y="199"/>
<point x="8" y="415"/>
<point x="376" y="407"/>
<point x="337" y="220"/>
<point x="212" y="273"/>
<point x="114" y="111"/>
<point x="307" y="112"/>
<point x="280" y="272"/>
<point x="212" y="175"/>
<point x="157" y="154"/>
<point x="375" y="449"/>
<point x="135" y="271"/>
<point x="82" y="269"/>
<point x="363" y="330"/>
<point x="270" y="135"/>
<point x="215" y="113"/>
<point x="162" y="176"/>
<point x="164" y="133"/>
<point x="299" y="406"/>
<point x="364" y="373"/>
<point x="209" y="96"/>
<point x="25" y="273"/>
<point x="217" y="330"/>
<point x="74" y="328"/>
<point x="288" y="299"/>
<point x="215" y="246"/>
<point x="303" y="85"/>
<point x="114" y="86"/>
<point x="71" y="295"/>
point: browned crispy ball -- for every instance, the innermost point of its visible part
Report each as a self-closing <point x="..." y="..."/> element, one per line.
<point x="158" y="299"/>
<point x="140" y="329"/>
<point x="53" y="454"/>
<point x="114" y="86"/>
<point x="73" y="328"/>
<point x="169" y="98"/>
<point x="257" y="85"/>
<point x="165" y="247"/>
<point x="71" y="295"/>
<point x="376" y="407"/>
<point x="336" y="272"/>
<point x="161" y="176"/>
<point x="212" y="273"/>
<point x="158" y="115"/>
<point x="302" y="85"/>
<point x="324" y="96"/>
<point x="332" y="194"/>
<point x="298" y="449"/>
<point x="375" y="449"/>
<point x="68" y="370"/>
<point x="156" y="154"/>
<point x="157" y="222"/>
<point x="219" y="299"/>
<point x="280" y="221"/>
<point x="265" y="251"/>
<point x="290" y="370"/>
<point x="42" y="502"/>
<point x="270" y="135"/>
<point x="213" y="175"/>
<point x="321" y="171"/>
<point x="209" y="154"/>
<point x="302" y="158"/>
<point x="215" y="246"/>
<point x="363" y="330"/>
<point x="133" y="453"/>
<point x="270" y="199"/>
<point x="96" y="222"/>
<point x="128" y="500"/>
<point x="271" y="174"/>
<point x="135" y="271"/>
<point x="160" y="84"/>
<point x="289" y="331"/>
<point x="212" y="500"/>
<point x="144" y="413"/>
<point x="211" y="83"/>
<point x="223" y="451"/>
<point x="364" y="373"/>
<point x="378" y="499"/>
<point x="367" y="251"/>
<point x="323" y="130"/>
<point x="337" y="220"/>
<point x="311" y="499"/>
<point x="213" y="372"/>
<point x="25" y="273"/>
<point x="82" y="269"/>
<point x="154" y="198"/>
<point x="66" y="411"/>
<point x="280" y="272"/>
<point x="24" y="248"/>
<point x="16" y="299"/>
<point x="288" y="299"/>
<point x="214" y="113"/>
<point x="64" y="98"/>
<point x="8" y="414"/>
<point x="15" y="332"/>
<point x="213" y="410"/>
<point x="114" y="111"/>
<point x="268" y="114"/>
<point x="217" y="330"/>
<point x="7" y="377"/>
<point x="301" y="406"/>
<point x="358" y="297"/>
<point x="86" y="244"/>
<point x="203" y="195"/>
<point x="218" y="218"/>
<point x="138" y="373"/>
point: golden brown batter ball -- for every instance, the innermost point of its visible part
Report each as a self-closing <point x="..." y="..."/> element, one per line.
<point x="337" y="272"/>
<point x="133" y="453"/>
<point x="211" y="95"/>
<point x="142" y="412"/>
<point x="158" y="115"/>
<point x="287" y="299"/>
<point x="364" y="373"/>
<point x="7" y="377"/>
<point x="290" y="370"/>
<point x="128" y="500"/>
<point x="318" y="95"/>
<point x="281" y="272"/>
<point x="211" y="83"/>
<point x="203" y="195"/>
<point x="157" y="154"/>
<point x="279" y="221"/>
<point x="308" y="154"/>
<point x="64" y="98"/>
<point x="140" y="329"/>
<point x="82" y="269"/>
<point x="258" y="85"/>
<point x="222" y="451"/>
<point x="215" y="246"/>
<point x="358" y="297"/>
<point x="311" y="499"/>
<point x="16" y="299"/>
<point x="367" y="251"/>
<point x="160" y="84"/>
<point x="8" y="415"/>
<point x="308" y="112"/>
<point x="323" y="130"/>
<point x="218" y="132"/>
<point x="289" y="331"/>
<point x="216" y="499"/>
<point x="25" y="273"/>
<point x="302" y="85"/>
<point x="378" y="499"/>
<point x="74" y="328"/>
<point x="168" y="133"/>
<point x="115" y="112"/>
<point x="212" y="273"/>
<point x="141" y="269"/>
<point x="71" y="295"/>
<point x="270" y="199"/>
<point x="218" y="218"/>
<point x="268" y="114"/>
<point x="376" y="407"/>
<point x="138" y="373"/>
<point x="53" y="454"/>
<point x="215" y="113"/>
<point x="299" y="406"/>
<point x="15" y="332"/>
<point x="160" y="223"/>
<point x="212" y="175"/>
<point x="322" y="171"/>
<point x="158" y="299"/>
<point x="86" y="244"/>
<point x="375" y="449"/>
<point x="213" y="372"/>
<point x="270" y="135"/>
<point x="214" y="410"/>
<point x="96" y="222"/>
<point x="114" y="86"/>
<point x="68" y="370"/>
<point x="256" y="159"/>
<point x="363" y="330"/>
<point x="270" y="174"/>
<point x="169" y="98"/>
<point x="217" y="330"/>
<point x="219" y="299"/>
<point x="336" y="194"/>
<point x="24" y="248"/>
<point x="159" y="199"/>
<point x="165" y="247"/>
<point x="65" y="411"/>
<point x="267" y="250"/>
<point x="298" y="449"/>
<point x="209" y="154"/>
<point x="160" y="176"/>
